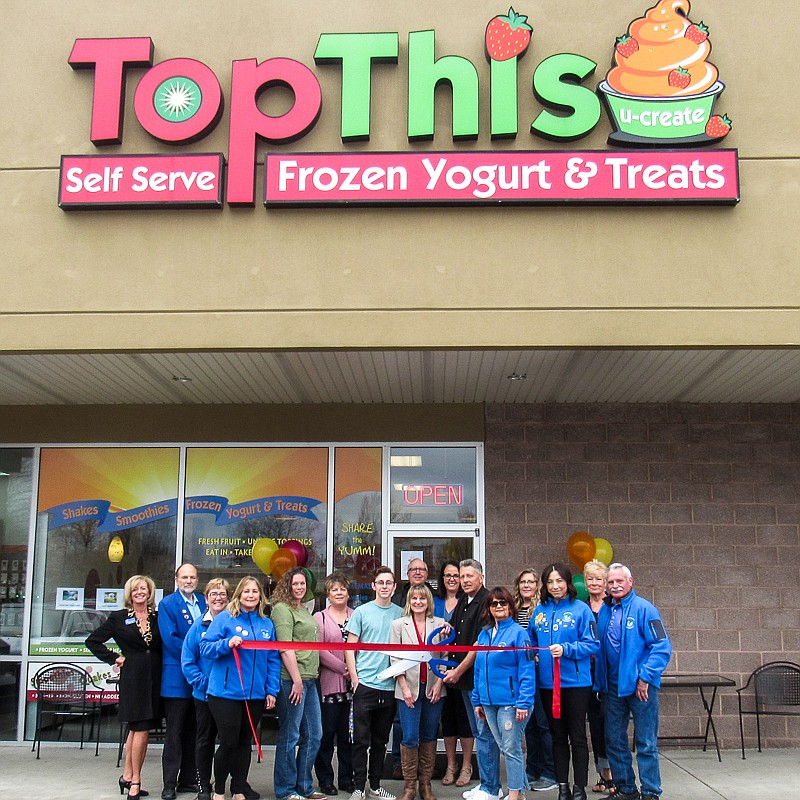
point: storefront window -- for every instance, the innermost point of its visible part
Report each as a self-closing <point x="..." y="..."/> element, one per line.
<point x="16" y="483"/>
<point x="357" y="518"/>
<point x="104" y="514"/>
<point x="433" y="485"/>
<point x="238" y="497"/>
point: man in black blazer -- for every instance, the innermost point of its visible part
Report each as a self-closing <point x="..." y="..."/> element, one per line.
<point x="468" y="620"/>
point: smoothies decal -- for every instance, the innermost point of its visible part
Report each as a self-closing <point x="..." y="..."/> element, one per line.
<point x="660" y="95"/>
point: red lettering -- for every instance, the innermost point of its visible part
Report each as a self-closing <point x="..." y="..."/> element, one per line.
<point x="248" y="81"/>
<point x="187" y="130"/>
<point x="110" y="58"/>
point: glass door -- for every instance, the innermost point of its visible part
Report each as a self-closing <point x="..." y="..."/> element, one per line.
<point x="434" y="549"/>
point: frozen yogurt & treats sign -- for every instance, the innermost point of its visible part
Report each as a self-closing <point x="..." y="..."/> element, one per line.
<point x="662" y="88"/>
<point x="660" y="95"/>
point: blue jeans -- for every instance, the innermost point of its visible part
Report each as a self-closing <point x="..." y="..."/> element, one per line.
<point x="486" y="748"/>
<point x="420" y="723"/>
<point x="300" y="726"/>
<point x="508" y="732"/>
<point x="617" y="711"/>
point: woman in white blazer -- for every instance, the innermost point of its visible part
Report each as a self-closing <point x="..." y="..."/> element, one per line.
<point x="419" y="693"/>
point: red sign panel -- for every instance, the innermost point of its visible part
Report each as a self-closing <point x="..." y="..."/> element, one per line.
<point x="184" y="181"/>
<point x="517" y="177"/>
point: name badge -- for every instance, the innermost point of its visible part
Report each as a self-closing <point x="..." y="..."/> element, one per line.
<point x="130" y="621"/>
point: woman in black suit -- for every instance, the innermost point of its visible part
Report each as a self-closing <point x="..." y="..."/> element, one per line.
<point x="135" y="630"/>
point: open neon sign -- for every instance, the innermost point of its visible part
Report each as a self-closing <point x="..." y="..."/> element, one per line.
<point x="438" y="494"/>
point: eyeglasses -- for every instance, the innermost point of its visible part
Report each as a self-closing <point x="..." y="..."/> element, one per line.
<point x="527" y="583"/>
<point x="498" y="603"/>
<point x="417" y="569"/>
<point x="217" y="595"/>
<point x="451" y="577"/>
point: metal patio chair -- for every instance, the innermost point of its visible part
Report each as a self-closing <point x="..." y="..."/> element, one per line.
<point x="776" y="692"/>
<point x="63" y="691"/>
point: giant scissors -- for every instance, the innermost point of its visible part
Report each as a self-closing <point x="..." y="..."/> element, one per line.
<point x="413" y="658"/>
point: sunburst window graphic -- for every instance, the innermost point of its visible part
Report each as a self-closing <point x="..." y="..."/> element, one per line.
<point x="177" y="99"/>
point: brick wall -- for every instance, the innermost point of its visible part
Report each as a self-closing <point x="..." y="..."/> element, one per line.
<point x="701" y="501"/>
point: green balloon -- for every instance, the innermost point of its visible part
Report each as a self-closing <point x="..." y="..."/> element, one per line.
<point x="311" y="584"/>
<point x="580" y="586"/>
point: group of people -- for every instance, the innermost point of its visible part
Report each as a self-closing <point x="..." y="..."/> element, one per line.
<point x="186" y="661"/>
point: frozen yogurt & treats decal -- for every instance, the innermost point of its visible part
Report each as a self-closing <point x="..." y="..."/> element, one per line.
<point x="662" y="87"/>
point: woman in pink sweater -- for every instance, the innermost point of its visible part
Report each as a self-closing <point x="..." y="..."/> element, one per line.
<point x="336" y="689"/>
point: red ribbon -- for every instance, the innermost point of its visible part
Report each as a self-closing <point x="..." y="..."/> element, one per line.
<point x="356" y="646"/>
<point x="556" y="688"/>
<point x="247" y="707"/>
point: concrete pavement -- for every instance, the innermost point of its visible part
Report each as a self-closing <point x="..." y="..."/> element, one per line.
<point x="68" y="773"/>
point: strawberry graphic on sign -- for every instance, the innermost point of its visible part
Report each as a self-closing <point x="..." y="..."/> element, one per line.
<point x="507" y="36"/>
<point x="718" y="126"/>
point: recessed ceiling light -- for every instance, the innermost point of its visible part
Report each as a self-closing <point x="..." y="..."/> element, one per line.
<point x="516" y="376"/>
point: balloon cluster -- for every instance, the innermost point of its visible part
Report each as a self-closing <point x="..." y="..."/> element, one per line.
<point x="582" y="548"/>
<point x="277" y="561"/>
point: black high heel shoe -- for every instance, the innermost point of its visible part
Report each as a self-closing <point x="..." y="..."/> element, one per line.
<point x="123" y="785"/>
<point x="139" y="793"/>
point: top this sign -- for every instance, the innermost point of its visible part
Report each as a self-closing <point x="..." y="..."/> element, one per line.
<point x="660" y="96"/>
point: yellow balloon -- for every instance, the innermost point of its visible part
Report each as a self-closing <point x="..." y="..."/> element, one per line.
<point x="263" y="550"/>
<point x="604" y="551"/>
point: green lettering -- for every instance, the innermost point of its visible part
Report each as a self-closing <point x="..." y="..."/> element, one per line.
<point x="556" y="83"/>
<point x="425" y="73"/>
<point x="356" y="52"/>
<point x="504" y="98"/>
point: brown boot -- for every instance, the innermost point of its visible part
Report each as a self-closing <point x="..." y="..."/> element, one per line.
<point x="427" y="757"/>
<point x="409" y="760"/>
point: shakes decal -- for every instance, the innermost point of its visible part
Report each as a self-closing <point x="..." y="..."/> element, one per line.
<point x="659" y="95"/>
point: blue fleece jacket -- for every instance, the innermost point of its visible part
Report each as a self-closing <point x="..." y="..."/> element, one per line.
<point x="571" y="624"/>
<point x="261" y="669"/>
<point x="196" y="669"/>
<point x="504" y="678"/>
<point x="645" y="647"/>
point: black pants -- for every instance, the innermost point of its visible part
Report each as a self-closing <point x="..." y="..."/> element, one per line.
<point x="204" y="747"/>
<point x="373" y="712"/>
<point x="597" y="729"/>
<point x="177" y="760"/>
<point x="335" y="733"/>
<point x="569" y="733"/>
<point x="235" y="739"/>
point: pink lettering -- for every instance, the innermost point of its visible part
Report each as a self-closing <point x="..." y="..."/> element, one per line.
<point x="249" y="80"/>
<point x="175" y="130"/>
<point x="110" y="58"/>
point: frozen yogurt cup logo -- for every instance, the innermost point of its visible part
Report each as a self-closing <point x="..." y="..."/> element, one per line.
<point x="662" y="88"/>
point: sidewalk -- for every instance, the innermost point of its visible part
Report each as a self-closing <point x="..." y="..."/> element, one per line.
<point x="68" y="773"/>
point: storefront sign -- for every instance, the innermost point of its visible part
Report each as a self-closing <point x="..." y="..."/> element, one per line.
<point x="186" y="181"/>
<point x="512" y="176"/>
<point x="661" y="92"/>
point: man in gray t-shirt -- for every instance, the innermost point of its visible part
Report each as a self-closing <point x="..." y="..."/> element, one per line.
<point x="373" y="699"/>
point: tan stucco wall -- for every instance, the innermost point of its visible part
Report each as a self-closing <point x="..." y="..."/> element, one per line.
<point x="317" y="278"/>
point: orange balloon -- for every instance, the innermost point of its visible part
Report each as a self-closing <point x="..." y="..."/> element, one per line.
<point x="581" y="548"/>
<point x="281" y="562"/>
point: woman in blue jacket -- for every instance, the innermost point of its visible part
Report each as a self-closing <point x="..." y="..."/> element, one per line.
<point x="505" y="685"/>
<point x="565" y="628"/>
<point x="229" y="694"/>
